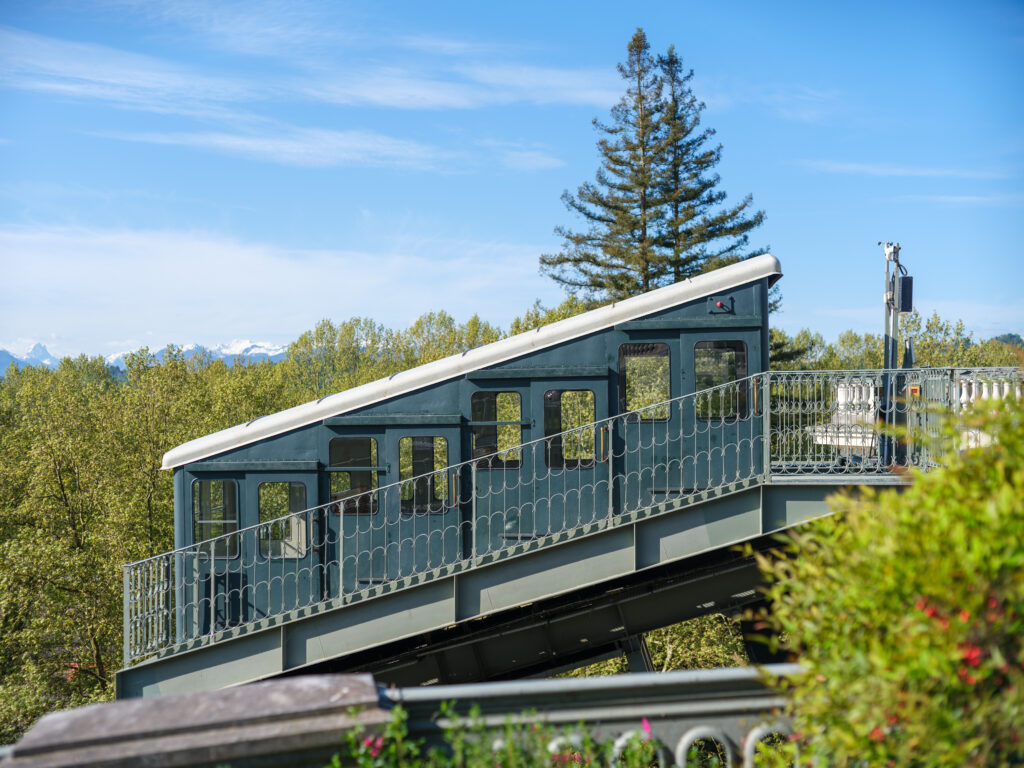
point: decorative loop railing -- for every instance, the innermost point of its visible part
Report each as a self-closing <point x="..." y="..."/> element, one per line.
<point x="769" y="425"/>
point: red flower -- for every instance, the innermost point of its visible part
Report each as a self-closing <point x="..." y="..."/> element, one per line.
<point x="877" y="734"/>
<point x="971" y="654"/>
<point x="965" y="616"/>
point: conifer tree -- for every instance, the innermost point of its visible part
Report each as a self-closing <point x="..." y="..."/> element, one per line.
<point x="617" y="255"/>
<point x="654" y="212"/>
<point x="696" y="234"/>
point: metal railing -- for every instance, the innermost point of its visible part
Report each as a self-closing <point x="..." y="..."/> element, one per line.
<point x="578" y="481"/>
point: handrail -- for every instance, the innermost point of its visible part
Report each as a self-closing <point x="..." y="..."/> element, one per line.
<point x="772" y="424"/>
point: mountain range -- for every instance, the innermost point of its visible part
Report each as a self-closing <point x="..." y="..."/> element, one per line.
<point x="248" y="351"/>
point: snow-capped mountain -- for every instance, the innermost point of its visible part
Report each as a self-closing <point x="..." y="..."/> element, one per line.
<point x="37" y="355"/>
<point x="248" y="351"/>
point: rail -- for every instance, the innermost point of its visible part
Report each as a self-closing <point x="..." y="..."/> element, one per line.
<point x="769" y="427"/>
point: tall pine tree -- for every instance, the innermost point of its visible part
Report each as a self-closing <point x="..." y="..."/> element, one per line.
<point x="654" y="213"/>
<point x="618" y="254"/>
<point x="696" y="233"/>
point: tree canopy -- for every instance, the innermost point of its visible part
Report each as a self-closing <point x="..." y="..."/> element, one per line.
<point x="654" y="214"/>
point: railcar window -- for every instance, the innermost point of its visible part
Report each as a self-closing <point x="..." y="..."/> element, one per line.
<point x="422" y="462"/>
<point x="215" y="513"/>
<point x="566" y="412"/>
<point x="282" y="532"/>
<point x="351" y="483"/>
<point x="493" y="438"/>
<point x="645" y="380"/>
<point x="720" y="362"/>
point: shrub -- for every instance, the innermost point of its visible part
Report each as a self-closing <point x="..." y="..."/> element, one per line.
<point x="907" y="611"/>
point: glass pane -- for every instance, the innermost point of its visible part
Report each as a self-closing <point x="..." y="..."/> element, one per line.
<point x="215" y="513"/>
<point x="645" y="380"/>
<point x="716" y="363"/>
<point x="422" y="469"/>
<point x="353" y="452"/>
<point x="566" y="410"/>
<point x="500" y="439"/>
<point x="282" y="537"/>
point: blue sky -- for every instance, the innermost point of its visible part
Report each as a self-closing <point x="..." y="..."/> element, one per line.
<point x="196" y="172"/>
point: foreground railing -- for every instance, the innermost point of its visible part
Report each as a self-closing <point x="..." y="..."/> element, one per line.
<point x="726" y="717"/>
<point x="776" y="424"/>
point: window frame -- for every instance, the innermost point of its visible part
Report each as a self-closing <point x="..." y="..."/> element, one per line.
<point x="344" y="504"/>
<point x="739" y="347"/>
<point x="493" y="459"/>
<point x="212" y="550"/>
<point x="436" y="504"/>
<point x="293" y="519"/>
<point x="553" y="439"/>
<point x="624" y="355"/>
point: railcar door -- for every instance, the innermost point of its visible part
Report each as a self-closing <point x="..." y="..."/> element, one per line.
<point x="723" y="441"/>
<point x="214" y="581"/>
<point x="496" y="489"/>
<point x="284" y="551"/>
<point x="649" y="447"/>
<point x="570" y="475"/>
<point x="422" y="513"/>
<point x="356" y="468"/>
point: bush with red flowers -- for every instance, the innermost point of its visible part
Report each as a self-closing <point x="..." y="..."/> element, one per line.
<point x="907" y="611"/>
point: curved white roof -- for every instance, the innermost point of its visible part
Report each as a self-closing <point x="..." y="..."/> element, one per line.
<point x="492" y="354"/>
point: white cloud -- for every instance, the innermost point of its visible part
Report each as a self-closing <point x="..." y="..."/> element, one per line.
<point x="130" y="80"/>
<point x="79" y="289"/>
<point x="796" y="102"/>
<point x="885" y="170"/>
<point x="396" y="88"/>
<point x="520" y="157"/>
<point x="305" y="147"/>
<point x="136" y="81"/>
<point x="546" y="85"/>
<point x="444" y="46"/>
<point x="282" y="28"/>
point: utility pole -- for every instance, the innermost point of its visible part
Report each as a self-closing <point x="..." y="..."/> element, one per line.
<point x="899" y="299"/>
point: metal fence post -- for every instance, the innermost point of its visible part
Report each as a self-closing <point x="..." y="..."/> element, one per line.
<point x="126" y="620"/>
<point x="472" y="507"/>
<point x="766" y="429"/>
<point x="611" y="471"/>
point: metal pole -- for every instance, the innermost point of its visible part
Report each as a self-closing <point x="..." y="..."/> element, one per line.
<point x="766" y="428"/>
<point x="892" y="256"/>
<point x="127" y="622"/>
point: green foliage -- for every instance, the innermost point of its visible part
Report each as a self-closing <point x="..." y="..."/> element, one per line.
<point x="907" y="610"/>
<point x="653" y="214"/>
<point x="937" y="343"/>
<point x="538" y="316"/>
<point x="524" y="742"/>
<point x="704" y="642"/>
<point x="390" y="747"/>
